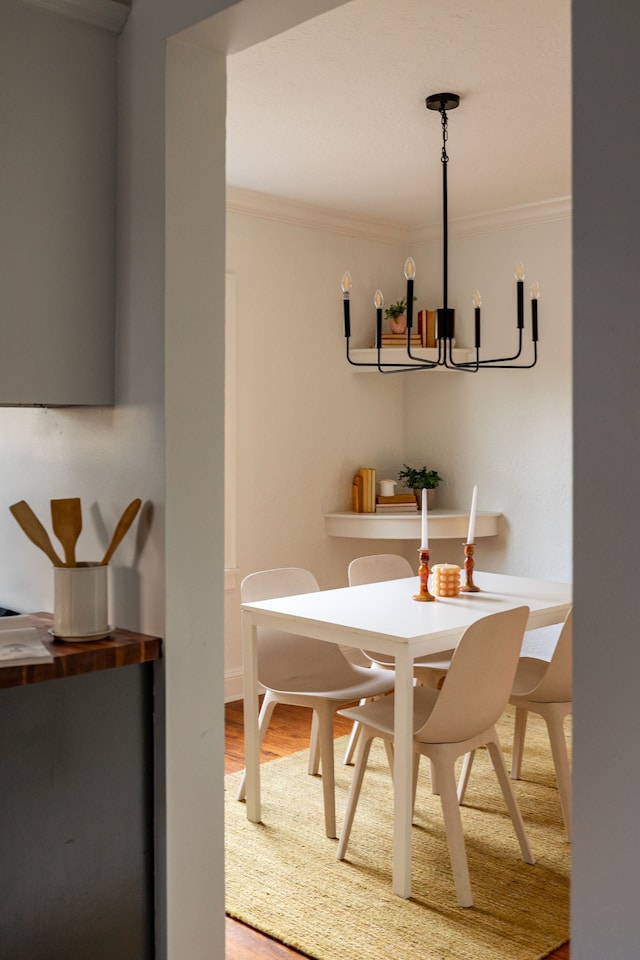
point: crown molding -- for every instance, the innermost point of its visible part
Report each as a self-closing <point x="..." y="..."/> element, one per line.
<point x="279" y="209"/>
<point x="525" y="215"/>
<point x="107" y="14"/>
<point x="268" y="207"/>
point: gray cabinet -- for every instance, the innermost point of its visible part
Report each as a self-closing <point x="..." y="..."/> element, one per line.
<point x="57" y="209"/>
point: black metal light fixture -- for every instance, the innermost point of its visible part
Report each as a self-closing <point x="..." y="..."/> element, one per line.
<point x="445" y="329"/>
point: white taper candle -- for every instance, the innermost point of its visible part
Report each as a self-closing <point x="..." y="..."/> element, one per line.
<point x="472" y="517"/>
<point x="424" y="543"/>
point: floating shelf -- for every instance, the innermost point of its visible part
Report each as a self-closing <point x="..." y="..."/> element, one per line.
<point x="443" y="525"/>
<point x="396" y="354"/>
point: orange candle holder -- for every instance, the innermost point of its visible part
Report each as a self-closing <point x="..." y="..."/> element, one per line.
<point x="423" y="573"/>
<point x="469" y="586"/>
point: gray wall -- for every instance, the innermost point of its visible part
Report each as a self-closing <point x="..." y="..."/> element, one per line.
<point x="606" y="249"/>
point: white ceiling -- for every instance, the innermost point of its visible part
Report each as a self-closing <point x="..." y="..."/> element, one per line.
<point x="333" y="112"/>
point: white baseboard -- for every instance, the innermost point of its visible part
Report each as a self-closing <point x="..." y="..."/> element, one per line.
<point x="232" y="685"/>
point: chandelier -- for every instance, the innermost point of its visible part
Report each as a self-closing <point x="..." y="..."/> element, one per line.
<point x="445" y="315"/>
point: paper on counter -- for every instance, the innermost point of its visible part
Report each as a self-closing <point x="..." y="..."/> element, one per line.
<point x="20" y="642"/>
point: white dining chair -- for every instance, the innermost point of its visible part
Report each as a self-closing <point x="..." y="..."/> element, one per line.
<point x="429" y="670"/>
<point x="453" y="721"/>
<point x="307" y="672"/>
<point x="542" y="687"/>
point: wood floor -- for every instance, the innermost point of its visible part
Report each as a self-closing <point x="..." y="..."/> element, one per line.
<point x="288" y="732"/>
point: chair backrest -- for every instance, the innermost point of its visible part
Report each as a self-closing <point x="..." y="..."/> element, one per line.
<point x="555" y="686"/>
<point x="288" y="661"/>
<point x="375" y="569"/>
<point x="478" y="684"/>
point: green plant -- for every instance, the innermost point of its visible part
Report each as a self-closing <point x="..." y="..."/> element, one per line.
<point x="418" y="477"/>
<point x="396" y="309"/>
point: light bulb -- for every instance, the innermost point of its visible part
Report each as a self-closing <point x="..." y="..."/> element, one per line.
<point x="519" y="272"/>
<point x="534" y="290"/>
<point x="476" y="299"/>
<point x="378" y="300"/>
<point x="346" y="283"/>
<point x="409" y="269"/>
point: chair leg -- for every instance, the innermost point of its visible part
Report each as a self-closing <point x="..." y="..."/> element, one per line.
<point x="500" y="768"/>
<point x="266" y="710"/>
<point x="353" y="740"/>
<point x="364" y="746"/>
<point x="313" y="765"/>
<point x="455" y="836"/>
<point x="518" y="741"/>
<point x="465" y="774"/>
<point x="554" y="716"/>
<point x="325" y="738"/>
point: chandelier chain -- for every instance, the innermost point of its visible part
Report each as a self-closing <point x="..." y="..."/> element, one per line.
<point x="445" y="134"/>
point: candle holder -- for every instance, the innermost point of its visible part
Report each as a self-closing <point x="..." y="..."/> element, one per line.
<point x="423" y="573"/>
<point x="469" y="586"/>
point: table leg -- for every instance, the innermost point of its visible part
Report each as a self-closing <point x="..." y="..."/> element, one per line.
<point x="251" y="736"/>
<point x="402" y="774"/>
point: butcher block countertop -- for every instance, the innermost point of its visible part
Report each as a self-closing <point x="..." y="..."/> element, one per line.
<point x="123" y="648"/>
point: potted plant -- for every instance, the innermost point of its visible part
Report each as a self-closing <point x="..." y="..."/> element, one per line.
<point x="395" y="314"/>
<point x="419" y="478"/>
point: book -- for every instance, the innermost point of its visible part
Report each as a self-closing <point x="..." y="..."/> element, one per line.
<point x="399" y="340"/>
<point x="367" y="502"/>
<point x="396" y="508"/>
<point x="427" y="321"/>
<point x="398" y="498"/>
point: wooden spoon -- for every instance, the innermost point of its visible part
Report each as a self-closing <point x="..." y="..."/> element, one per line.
<point x="34" y="530"/>
<point x="66" y="517"/>
<point x="123" y="525"/>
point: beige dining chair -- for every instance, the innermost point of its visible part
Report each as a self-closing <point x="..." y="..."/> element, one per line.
<point x="542" y="687"/>
<point x="307" y="672"/>
<point x="429" y="670"/>
<point x="450" y="722"/>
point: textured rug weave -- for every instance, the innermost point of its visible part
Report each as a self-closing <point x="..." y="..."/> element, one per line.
<point x="283" y="878"/>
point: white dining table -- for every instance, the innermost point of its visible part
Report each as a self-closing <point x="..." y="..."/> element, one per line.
<point x="384" y="618"/>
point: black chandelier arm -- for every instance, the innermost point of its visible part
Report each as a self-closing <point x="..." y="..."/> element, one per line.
<point x="500" y="362"/>
<point x="497" y="365"/>
<point x="403" y="367"/>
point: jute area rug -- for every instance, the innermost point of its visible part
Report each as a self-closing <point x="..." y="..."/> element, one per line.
<point x="282" y="876"/>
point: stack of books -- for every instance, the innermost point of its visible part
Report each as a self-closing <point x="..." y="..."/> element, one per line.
<point x="399" y="340"/>
<point x="398" y="503"/>
<point x="363" y="491"/>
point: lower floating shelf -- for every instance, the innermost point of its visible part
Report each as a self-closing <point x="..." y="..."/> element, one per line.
<point x="443" y="525"/>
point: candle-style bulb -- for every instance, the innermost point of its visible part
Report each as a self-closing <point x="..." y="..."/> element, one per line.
<point x="476" y="299"/>
<point x="534" y="290"/>
<point x="346" y="283"/>
<point x="378" y="300"/>
<point x="409" y="269"/>
<point x="519" y="272"/>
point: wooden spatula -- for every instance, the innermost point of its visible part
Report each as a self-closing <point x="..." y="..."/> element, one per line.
<point x="122" y="526"/>
<point x="66" y="517"/>
<point x="34" y="530"/>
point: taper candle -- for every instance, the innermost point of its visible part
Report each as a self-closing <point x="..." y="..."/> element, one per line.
<point x="410" y="275"/>
<point x="378" y="302"/>
<point x="472" y="517"/>
<point x="346" y="290"/>
<point x="519" y="275"/>
<point x="534" y="293"/>
<point x="424" y="542"/>
<point x="477" y="303"/>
